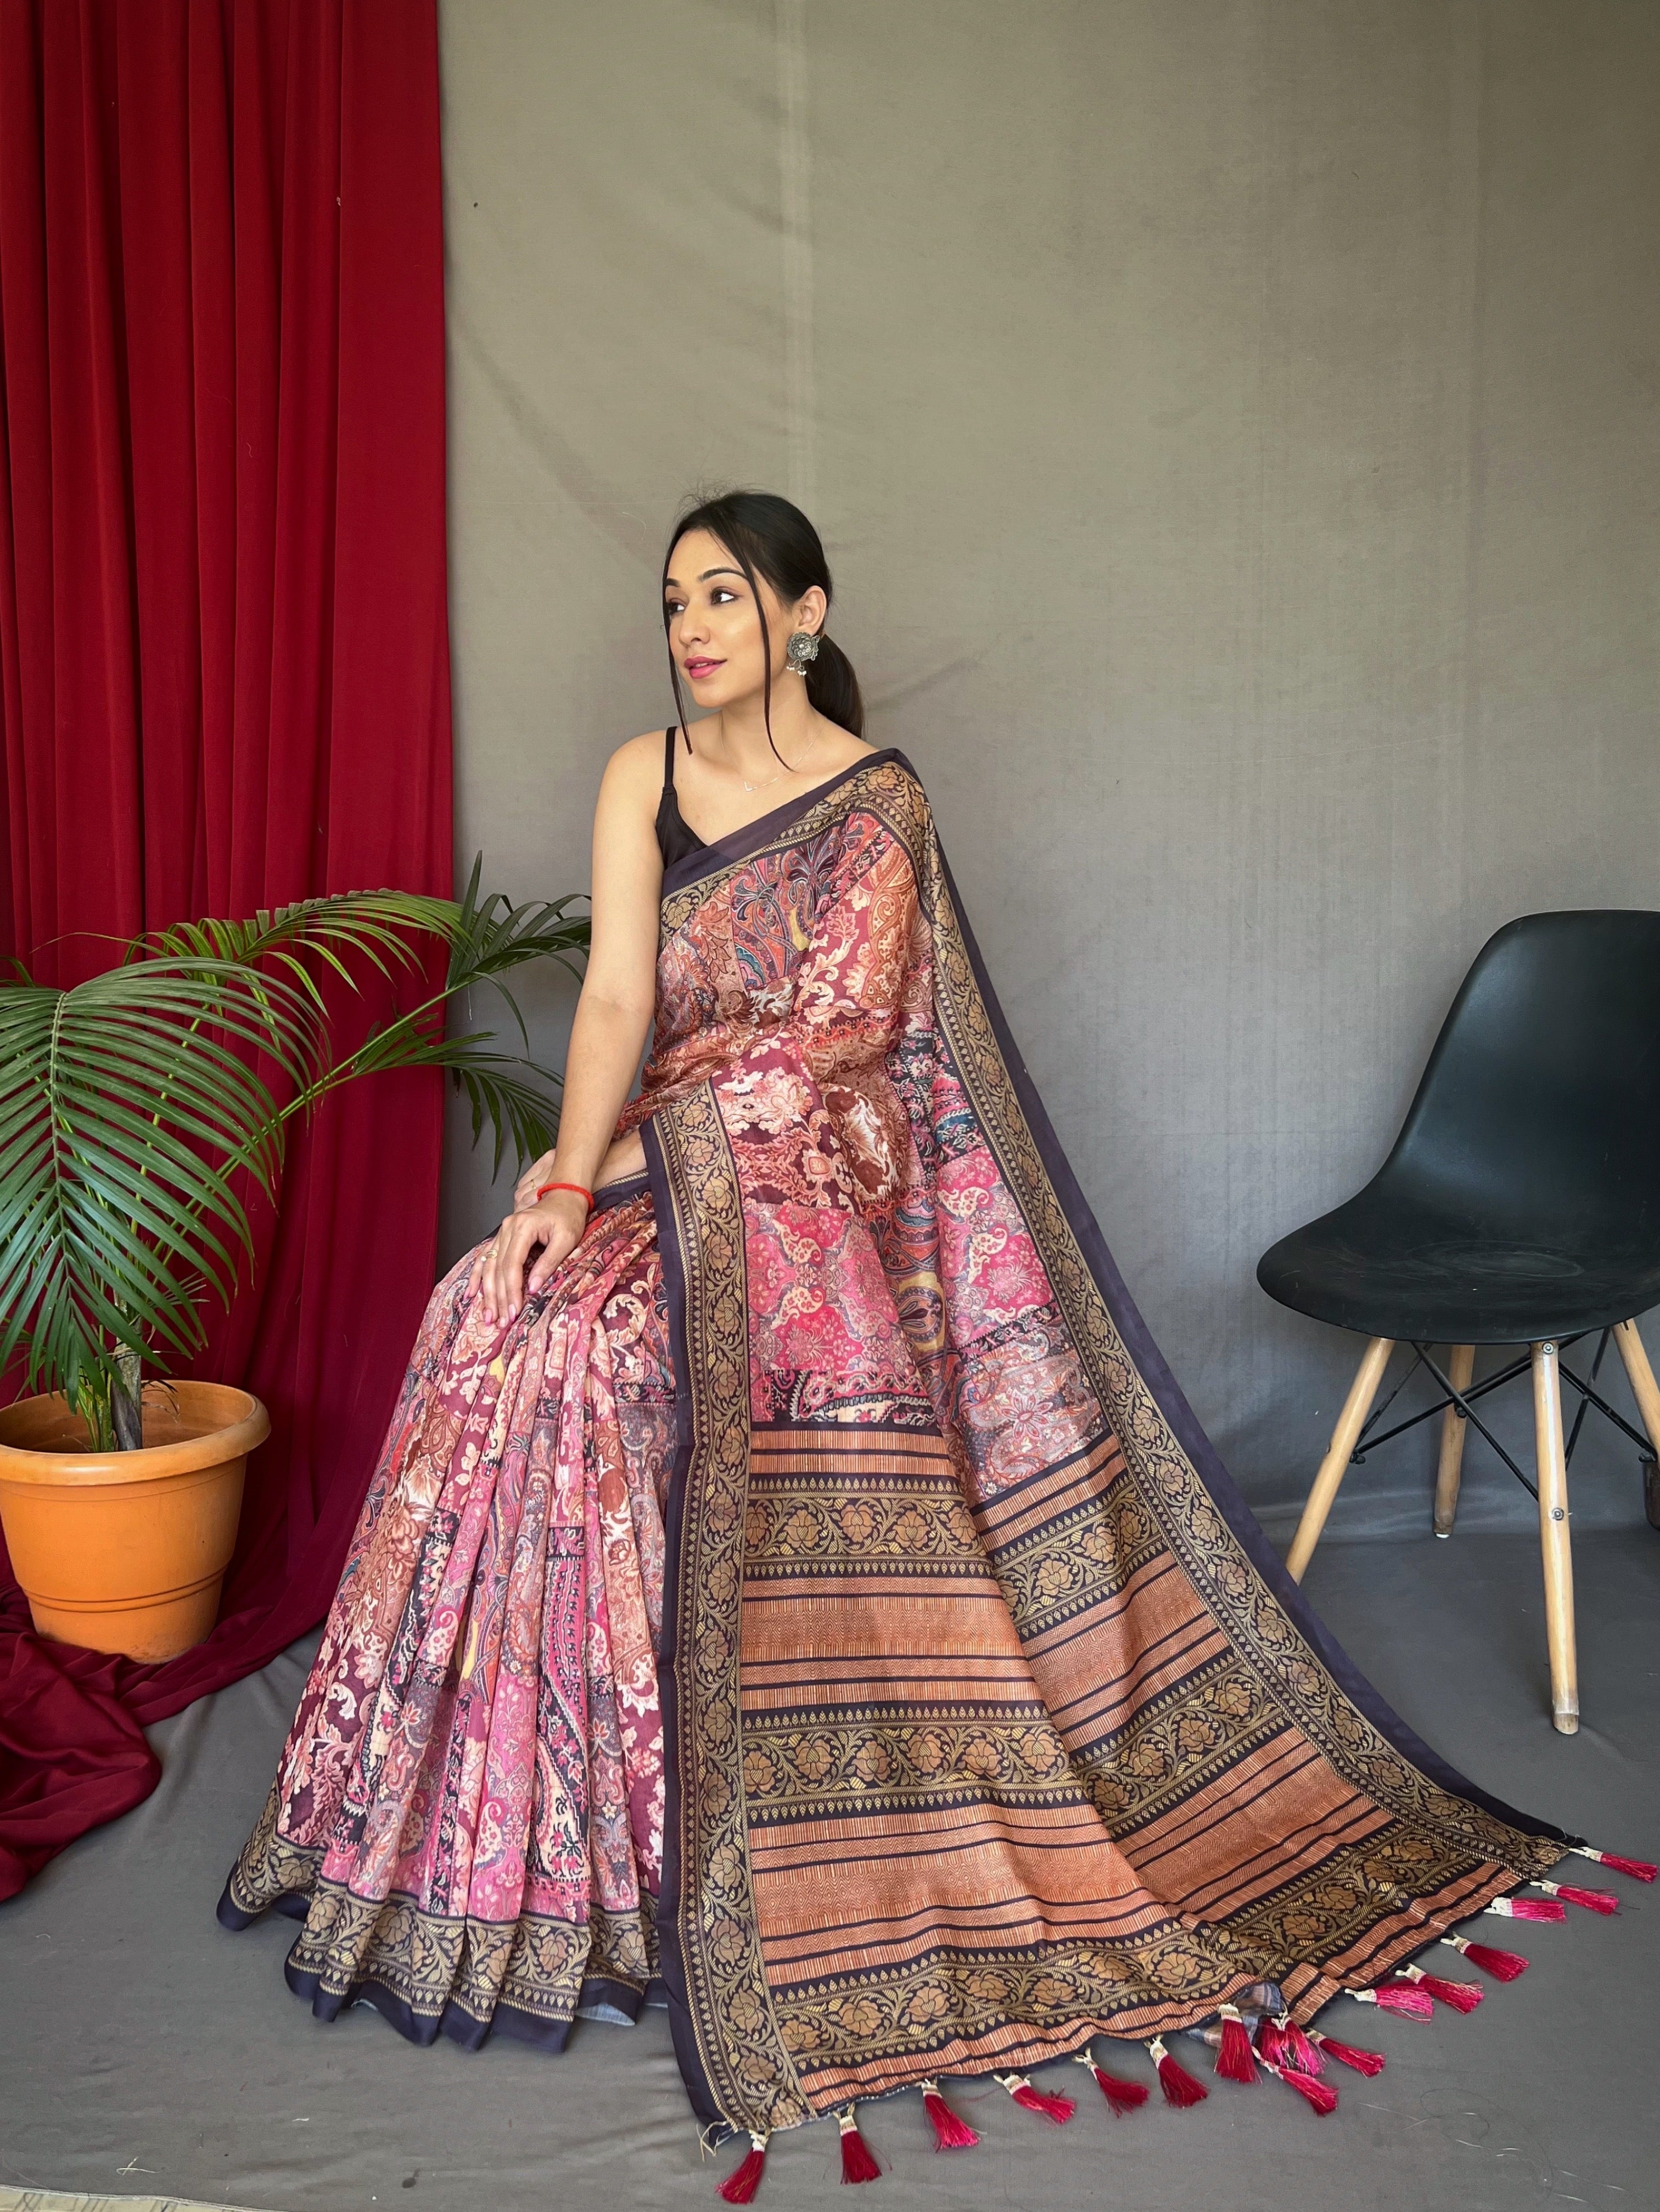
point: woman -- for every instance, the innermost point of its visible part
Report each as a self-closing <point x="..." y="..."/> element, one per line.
<point x="792" y="1580"/>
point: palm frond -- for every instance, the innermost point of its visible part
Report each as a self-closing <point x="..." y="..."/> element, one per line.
<point x="130" y="1105"/>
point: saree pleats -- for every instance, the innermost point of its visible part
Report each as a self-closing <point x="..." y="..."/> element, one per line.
<point x="821" y="1597"/>
<point x="470" y="1803"/>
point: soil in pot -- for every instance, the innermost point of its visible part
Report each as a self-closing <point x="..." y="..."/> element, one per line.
<point x="125" y="1550"/>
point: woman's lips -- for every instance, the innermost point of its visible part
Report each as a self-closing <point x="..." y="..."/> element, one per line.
<point x="697" y="668"/>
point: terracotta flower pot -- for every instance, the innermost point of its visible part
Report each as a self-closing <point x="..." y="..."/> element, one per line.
<point x="125" y="1550"/>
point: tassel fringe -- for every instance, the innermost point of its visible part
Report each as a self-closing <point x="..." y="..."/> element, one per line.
<point x="951" y="2131"/>
<point x="1300" y="2051"/>
<point x="1058" y="2109"/>
<point x="1346" y="2054"/>
<point x="740" y="2185"/>
<point x="1319" y="2095"/>
<point x="1234" y="2060"/>
<point x="1639" y="1870"/>
<point x="1179" y="2085"/>
<point x="1594" y="1900"/>
<point x="1400" y="1997"/>
<point x="1292" y="2054"/>
<point x="1504" y="1966"/>
<point x="1122" y="2096"/>
<point x="858" y="2163"/>
<point x="1462" y="1996"/>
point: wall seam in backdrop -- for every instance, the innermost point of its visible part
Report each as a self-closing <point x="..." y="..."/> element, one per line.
<point x="796" y="209"/>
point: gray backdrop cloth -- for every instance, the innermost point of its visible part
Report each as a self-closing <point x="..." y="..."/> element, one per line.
<point x="1233" y="426"/>
<point x="144" y="2049"/>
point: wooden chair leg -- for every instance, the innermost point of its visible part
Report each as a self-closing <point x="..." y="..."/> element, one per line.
<point x="1350" y="1421"/>
<point x="1640" y="1375"/>
<point x="1450" y="1473"/>
<point x="1553" y="1541"/>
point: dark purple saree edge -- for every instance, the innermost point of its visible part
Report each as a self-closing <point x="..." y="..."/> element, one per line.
<point x="1207" y="1461"/>
<point x="671" y="1900"/>
<point x="725" y="852"/>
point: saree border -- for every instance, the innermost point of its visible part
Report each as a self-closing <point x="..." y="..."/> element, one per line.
<point x="780" y="826"/>
<point x="732" y="2052"/>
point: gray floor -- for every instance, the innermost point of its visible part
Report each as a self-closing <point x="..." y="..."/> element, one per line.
<point x="145" y="2053"/>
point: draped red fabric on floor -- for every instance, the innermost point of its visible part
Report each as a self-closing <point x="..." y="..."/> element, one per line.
<point x="224" y="681"/>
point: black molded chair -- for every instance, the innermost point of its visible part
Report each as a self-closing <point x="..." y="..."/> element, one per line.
<point x="1520" y="1205"/>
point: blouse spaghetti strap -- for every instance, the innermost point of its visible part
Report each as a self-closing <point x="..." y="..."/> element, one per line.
<point x="675" y="837"/>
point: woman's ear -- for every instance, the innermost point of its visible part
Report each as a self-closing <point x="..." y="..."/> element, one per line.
<point x="811" y="608"/>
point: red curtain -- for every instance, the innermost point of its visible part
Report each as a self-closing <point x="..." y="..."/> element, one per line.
<point x="224" y="681"/>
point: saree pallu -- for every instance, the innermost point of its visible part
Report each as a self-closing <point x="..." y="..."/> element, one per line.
<point x="819" y="1603"/>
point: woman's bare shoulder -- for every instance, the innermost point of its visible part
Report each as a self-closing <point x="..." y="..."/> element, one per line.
<point x="637" y="762"/>
<point x="843" y="748"/>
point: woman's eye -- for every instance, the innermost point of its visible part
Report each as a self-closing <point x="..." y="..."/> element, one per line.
<point x="719" y="595"/>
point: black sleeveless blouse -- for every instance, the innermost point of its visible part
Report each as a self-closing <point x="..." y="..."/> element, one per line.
<point x="675" y="837"/>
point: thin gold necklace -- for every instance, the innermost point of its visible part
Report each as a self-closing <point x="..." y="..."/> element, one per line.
<point x="786" y="770"/>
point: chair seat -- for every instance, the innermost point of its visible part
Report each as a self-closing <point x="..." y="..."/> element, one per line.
<point x="1419" y="1275"/>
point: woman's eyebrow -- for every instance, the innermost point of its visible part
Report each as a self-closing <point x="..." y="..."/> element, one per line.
<point x="669" y="583"/>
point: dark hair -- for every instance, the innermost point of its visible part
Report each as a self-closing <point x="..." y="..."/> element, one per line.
<point x="765" y="533"/>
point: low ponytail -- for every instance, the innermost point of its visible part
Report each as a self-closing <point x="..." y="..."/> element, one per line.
<point x="769" y="536"/>
<point x="833" y="688"/>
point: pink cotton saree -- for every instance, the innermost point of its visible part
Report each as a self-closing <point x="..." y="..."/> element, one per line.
<point x="820" y="1603"/>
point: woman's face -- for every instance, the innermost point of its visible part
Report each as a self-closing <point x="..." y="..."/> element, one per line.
<point x="714" y="631"/>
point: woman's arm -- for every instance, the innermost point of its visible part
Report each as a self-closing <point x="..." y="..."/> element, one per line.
<point x="607" y="1037"/>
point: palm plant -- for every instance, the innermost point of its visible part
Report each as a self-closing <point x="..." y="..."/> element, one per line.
<point x="140" y="1110"/>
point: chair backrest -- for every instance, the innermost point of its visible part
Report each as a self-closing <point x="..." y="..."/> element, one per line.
<point x="1541" y="1104"/>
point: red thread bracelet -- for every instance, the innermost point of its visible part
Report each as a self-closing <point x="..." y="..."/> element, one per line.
<point x="580" y="1189"/>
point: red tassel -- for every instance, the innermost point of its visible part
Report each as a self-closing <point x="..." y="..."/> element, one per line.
<point x="1506" y="1966"/>
<point x="1528" y="1908"/>
<point x="951" y="2131"/>
<point x="1122" y="2096"/>
<point x="1462" y="1996"/>
<point x="1401" y="1996"/>
<point x="1179" y="2085"/>
<point x="1271" y="2039"/>
<point x="1594" y="1900"/>
<point x="1320" y="2095"/>
<point x="1058" y="2109"/>
<point x="739" y="2187"/>
<point x="1639" y="1870"/>
<point x="857" y="2163"/>
<point x="1234" y="2062"/>
<point x="1300" y="2052"/>
<point x="1346" y="2054"/>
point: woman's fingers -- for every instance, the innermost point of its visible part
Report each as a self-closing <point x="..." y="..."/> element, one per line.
<point x="556" y="1227"/>
<point x="524" y="1190"/>
<point x="567" y="1217"/>
<point x="504" y="1268"/>
<point x="560" y="1246"/>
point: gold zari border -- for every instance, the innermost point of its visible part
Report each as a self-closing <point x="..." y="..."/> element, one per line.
<point x="743" y="2054"/>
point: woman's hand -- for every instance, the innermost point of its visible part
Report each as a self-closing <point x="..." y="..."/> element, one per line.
<point x="556" y="1225"/>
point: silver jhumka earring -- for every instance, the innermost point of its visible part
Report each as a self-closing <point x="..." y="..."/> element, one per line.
<point x="802" y="647"/>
